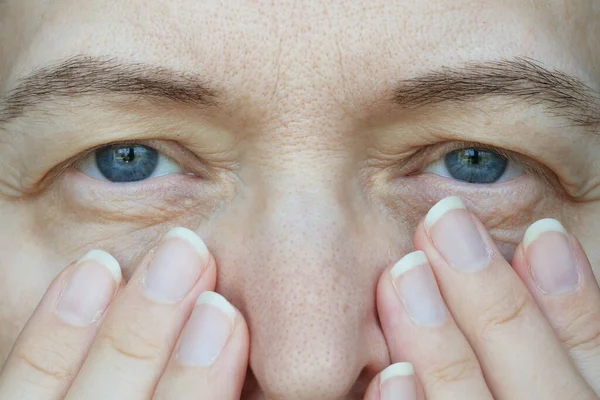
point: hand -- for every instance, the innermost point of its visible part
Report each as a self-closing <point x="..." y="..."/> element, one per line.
<point x="530" y="331"/>
<point x="504" y="340"/>
<point x="92" y="337"/>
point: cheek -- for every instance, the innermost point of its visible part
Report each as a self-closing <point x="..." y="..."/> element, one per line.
<point x="26" y="271"/>
<point x="77" y="215"/>
<point x="506" y="209"/>
<point x="583" y="221"/>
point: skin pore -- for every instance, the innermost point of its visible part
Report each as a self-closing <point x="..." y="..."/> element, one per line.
<point x="305" y="145"/>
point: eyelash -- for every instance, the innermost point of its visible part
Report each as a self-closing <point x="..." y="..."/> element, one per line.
<point x="176" y="152"/>
<point x="155" y="144"/>
<point x="424" y="157"/>
<point x="412" y="164"/>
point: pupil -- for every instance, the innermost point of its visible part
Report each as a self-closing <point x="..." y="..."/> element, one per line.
<point x="126" y="155"/>
<point x="471" y="156"/>
<point x="476" y="165"/>
<point x="126" y="163"/>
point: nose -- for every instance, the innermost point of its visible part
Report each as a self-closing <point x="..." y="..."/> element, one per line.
<point x="305" y="276"/>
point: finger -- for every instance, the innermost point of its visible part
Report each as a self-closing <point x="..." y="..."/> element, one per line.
<point x="55" y="341"/>
<point x="212" y="354"/>
<point x="419" y="328"/>
<point x="558" y="274"/>
<point x="520" y="356"/>
<point x="396" y="382"/>
<point x="135" y="341"/>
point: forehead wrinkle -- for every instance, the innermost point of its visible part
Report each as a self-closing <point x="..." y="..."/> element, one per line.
<point x="259" y="62"/>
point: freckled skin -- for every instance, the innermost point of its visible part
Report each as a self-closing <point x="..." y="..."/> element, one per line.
<point x="301" y="226"/>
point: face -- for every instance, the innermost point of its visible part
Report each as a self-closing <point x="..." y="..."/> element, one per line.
<point x="303" y="142"/>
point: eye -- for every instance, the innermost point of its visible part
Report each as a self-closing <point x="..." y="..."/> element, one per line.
<point x="475" y="165"/>
<point x="121" y="163"/>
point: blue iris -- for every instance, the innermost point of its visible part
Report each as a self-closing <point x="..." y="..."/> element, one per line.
<point x="475" y="165"/>
<point x="122" y="163"/>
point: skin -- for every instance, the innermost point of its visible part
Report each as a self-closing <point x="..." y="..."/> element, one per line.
<point x="301" y="132"/>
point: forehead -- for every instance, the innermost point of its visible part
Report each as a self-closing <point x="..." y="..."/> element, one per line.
<point x="271" y="48"/>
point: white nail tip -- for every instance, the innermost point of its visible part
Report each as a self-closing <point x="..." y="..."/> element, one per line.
<point x="398" y="369"/>
<point x="542" y="226"/>
<point x="441" y="208"/>
<point x="408" y="262"/>
<point x="189" y="236"/>
<point x="105" y="259"/>
<point x="216" y="300"/>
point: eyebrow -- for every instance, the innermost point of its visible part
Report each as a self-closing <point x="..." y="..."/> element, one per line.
<point x="522" y="79"/>
<point x="90" y="76"/>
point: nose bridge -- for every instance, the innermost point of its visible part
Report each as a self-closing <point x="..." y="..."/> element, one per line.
<point x="301" y="290"/>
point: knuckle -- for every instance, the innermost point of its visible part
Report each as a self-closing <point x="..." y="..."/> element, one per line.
<point x="52" y="363"/>
<point x="582" y="334"/>
<point x="510" y="309"/>
<point x="132" y="341"/>
<point x="462" y="369"/>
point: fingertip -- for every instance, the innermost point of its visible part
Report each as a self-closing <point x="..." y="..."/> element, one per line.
<point x="192" y="238"/>
<point x="212" y="353"/>
<point x="441" y="208"/>
<point x="397" y="369"/>
<point x="387" y="300"/>
<point x="233" y="364"/>
<point x="216" y="300"/>
<point x="540" y="227"/>
<point x="106" y="260"/>
<point x="421" y="240"/>
<point x="408" y="262"/>
<point x="583" y="262"/>
<point x="398" y="382"/>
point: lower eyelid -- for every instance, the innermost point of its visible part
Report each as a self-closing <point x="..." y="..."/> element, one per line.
<point x="466" y="186"/>
<point x="85" y="190"/>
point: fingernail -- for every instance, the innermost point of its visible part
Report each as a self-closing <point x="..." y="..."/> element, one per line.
<point x="90" y="289"/>
<point x="397" y="382"/>
<point x="207" y="330"/>
<point x="418" y="290"/>
<point x="550" y="257"/>
<point x="455" y="236"/>
<point x="175" y="266"/>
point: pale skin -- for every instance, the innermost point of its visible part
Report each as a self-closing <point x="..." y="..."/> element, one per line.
<point x="296" y="194"/>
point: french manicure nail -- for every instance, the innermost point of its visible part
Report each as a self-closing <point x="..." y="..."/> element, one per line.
<point x="418" y="290"/>
<point x="550" y="257"/>
<point x="90" y="288"/>
<point x="207" y="330"/>
<point x="397" y="382"/>
<point x="455" y="236"/>
<point x="176" y="266"/>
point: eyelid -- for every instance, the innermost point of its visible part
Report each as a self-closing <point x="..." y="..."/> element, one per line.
<point x="428" y="155"/>
<point x="189" y="162"/>
<point x="168" y="148"/>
